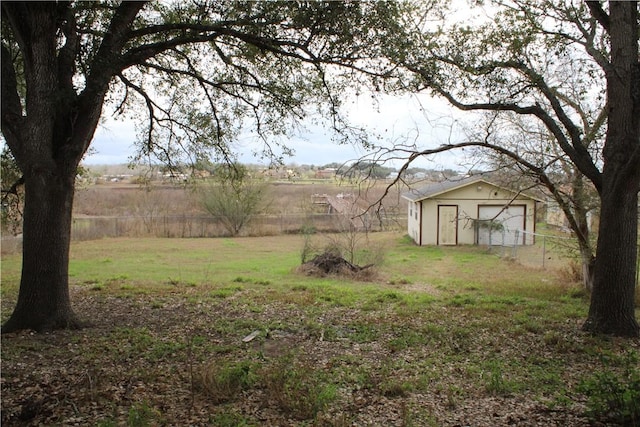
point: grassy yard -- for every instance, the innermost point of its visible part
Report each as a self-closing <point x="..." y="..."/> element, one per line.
<point x="227" y="332"/>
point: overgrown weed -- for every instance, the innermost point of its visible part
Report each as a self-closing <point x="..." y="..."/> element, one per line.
<point x="613" y="392"/>
<point x="223" y="381"/>
<point x="297" y="387"/>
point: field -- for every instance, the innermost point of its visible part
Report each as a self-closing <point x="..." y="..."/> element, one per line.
<point x="228" y="332"/>
<point x="126" y="209"/>
<point x="122" y="199"/>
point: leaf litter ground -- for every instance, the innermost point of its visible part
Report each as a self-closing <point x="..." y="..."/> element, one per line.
<point x="409" y="354"/>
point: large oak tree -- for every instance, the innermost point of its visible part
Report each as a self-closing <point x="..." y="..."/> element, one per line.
<point x="526" y="59"/>
<point x="201" y="70"/>
<point x="195" y="71"/>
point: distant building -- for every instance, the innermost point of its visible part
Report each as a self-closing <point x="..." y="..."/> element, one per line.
<point x="326" y="173"/>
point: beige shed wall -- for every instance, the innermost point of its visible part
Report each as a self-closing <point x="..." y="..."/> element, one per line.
<point x="468" y="199"/>
<point x="413" y="221"/>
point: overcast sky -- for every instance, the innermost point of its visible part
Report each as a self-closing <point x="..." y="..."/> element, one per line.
<point x="416" y="119"/>
<point x="421" y="120"/>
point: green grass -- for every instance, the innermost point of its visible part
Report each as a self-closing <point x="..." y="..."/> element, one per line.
<point x="182" y="260"/>
<point x="162" y="263"/>
<point x="434" y="330"/>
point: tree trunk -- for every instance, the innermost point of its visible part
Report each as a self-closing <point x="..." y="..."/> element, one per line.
<point x="581" y="210"/>
<point x="588" y="266"/>
<point x="43" y="302"/>
<point x="612" y="309"/>
<point x="48" y="136"/>
<point x="586" y="252"/>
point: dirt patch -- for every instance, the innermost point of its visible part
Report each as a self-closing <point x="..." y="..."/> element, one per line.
<point x="421" y="287"/>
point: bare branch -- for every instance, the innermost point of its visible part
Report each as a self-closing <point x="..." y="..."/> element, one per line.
<point x="13" y="190"/>
<point x="574" y="149"/>
<point x="599" y="14"/>
<point x="151" y="105"/>
<point x="539" y="172"/>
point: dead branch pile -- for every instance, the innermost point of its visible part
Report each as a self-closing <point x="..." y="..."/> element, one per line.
<point x="330" y="263"/>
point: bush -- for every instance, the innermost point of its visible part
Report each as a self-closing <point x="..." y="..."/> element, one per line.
<point x="298" y="389"/>
<point x="614" y="395"/>
<point x="223" y="382"/>
<point x="571" y="273"/>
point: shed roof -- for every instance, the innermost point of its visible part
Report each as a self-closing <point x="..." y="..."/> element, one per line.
<point x="437" y="188"/>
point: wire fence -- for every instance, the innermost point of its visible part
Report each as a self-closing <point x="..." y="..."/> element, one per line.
<point x="539" y="250"/>
<point x="195" y="226"/>
<point x="186" y="226"/>
<point x="551" y="251"/>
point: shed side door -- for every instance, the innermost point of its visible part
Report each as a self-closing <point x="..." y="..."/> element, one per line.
<point x="447" y="225"/>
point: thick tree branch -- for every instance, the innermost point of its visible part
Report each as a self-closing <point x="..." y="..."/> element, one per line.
<point x="67" y="53"/>
<point x="182" y="28"/>
<point x="580" y="155"/>
<point x="574" y="149"/>
<point x="16" y="14"/>
<point x="86" y="108"/>
<point x="538" y="82"/>
<point x="599" y="14"/>
<point x="12" y="119"/>
<point x="107" y="62"/>
<point x="211" y="33"/>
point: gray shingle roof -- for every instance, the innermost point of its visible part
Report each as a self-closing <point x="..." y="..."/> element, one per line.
<point x="436" y="188"/>
<point x="432" y="190"/>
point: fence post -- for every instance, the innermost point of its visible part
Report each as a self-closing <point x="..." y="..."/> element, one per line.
<point x="490" y="233"/>
<point x="544" y="250"/>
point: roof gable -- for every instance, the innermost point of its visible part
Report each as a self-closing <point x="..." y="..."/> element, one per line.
<point x="436" y="189"/>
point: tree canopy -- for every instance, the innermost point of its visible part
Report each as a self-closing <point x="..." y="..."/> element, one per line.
<point x="559" y="70"/>
<point x="193" y="73"/>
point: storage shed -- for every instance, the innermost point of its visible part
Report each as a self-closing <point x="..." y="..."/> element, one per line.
<point x="470" y="211"/>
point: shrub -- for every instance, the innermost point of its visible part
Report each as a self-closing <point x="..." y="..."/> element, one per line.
<point x="571" y="272"/>
<point x="223" y="382"/>
<point x="614" y="396"/>
<point x="296" y="388"/>
<point x="142" y="415"/>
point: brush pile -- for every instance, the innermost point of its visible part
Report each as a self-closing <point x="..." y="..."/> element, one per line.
<point x="331" y="263"/>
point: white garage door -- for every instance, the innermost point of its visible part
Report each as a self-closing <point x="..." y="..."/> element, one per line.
<point x="506" y="219"/>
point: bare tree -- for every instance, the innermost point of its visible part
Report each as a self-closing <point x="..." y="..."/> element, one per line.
<point x="574" y="195"/>
<point x="568" y="67"/>
<point x="234" y="197"/>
